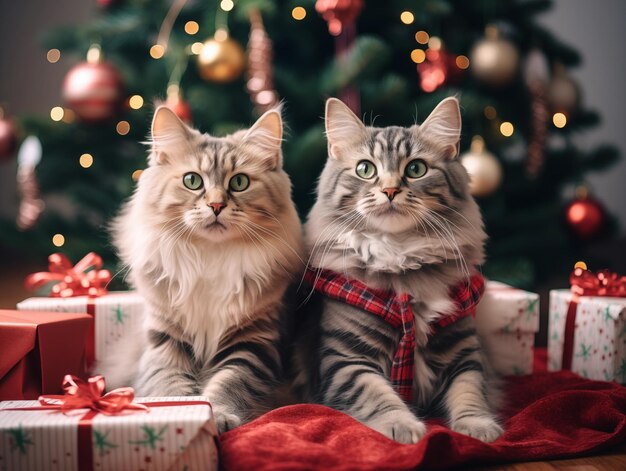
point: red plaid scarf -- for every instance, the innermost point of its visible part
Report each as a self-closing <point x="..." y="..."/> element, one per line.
<point x="395" y="309"/>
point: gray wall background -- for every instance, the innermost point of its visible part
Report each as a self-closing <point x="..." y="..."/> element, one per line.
<point x="597" y="28"/>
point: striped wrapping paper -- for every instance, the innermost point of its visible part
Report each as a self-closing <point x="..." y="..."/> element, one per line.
<point x="507" y="320"/>
<point x="178" y="437"/>
<point x="114" y="314"/>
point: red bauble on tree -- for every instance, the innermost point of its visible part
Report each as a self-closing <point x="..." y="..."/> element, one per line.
<point x="8" y="137"/>
<point x="585" y="216"/>
<point x="177" y="104"/>
<point x="93" y="89"/>
<point x="437" y="69"/>
<point x="338" y="13"/>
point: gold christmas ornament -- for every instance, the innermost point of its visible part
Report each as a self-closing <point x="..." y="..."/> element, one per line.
<point x="563" y="92"/>
<point x="221" y="60"/>
<point x="494" y="60"/>
<point x="483" y="168"/>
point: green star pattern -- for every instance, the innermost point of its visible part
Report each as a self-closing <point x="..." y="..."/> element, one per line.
<point x="100" y="442"/>
<point x="585" y="351"/>
<point x="152" y="436"/>
<point x="19" y="439"/>
<point x="119" y="314"/>
<point x="607" y="314"/>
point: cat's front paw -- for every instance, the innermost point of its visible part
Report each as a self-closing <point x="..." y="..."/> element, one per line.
<point x="484" y="429"/>
<point x="401" y="426"/>
<point x="226" y="421"/>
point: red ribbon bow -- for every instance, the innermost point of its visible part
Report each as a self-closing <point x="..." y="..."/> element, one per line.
<point x="88" y="395"/>
<point x="72" y="280"/>
<point x="603" y="283"/>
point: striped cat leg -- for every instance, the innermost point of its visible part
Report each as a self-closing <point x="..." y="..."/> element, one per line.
<point x="354" y="346"/>
<point x="244" y="374"/>
<point x="364" y="393"/>
<point x="466" y="395"/>
<point x="166" y="367"/>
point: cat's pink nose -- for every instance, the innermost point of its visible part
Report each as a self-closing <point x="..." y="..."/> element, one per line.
<point x="391" y="192"/>
<point x="217" y="207"/>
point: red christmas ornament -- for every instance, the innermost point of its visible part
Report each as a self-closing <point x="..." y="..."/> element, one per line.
<point x="8" y="137"/>
<point x="178" y="105"/>
<point x="438" y="68"/>
<point x="93" y="89"/>
<point x="585" y="216"/>
<point x="338" y="13"/>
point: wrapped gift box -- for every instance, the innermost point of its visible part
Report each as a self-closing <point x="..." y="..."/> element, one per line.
<point x="115" y="313"/>
<point x="177" y="433"/>
<point x="599" y="336"/>
<point x="507" y="320"/>
<point x="38" y="349"/>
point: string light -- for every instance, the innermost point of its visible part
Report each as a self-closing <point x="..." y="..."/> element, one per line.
<point x="506" y="128"/>
<point x="136" y="174"/>
<point x="298" y="13"/>
<point x="157" y="51"/>
<point x="135" y="102"/>
<point x="53" y="56"/>
<point x="462" y="62"/>
<point x="581" y="264"/>
<point x="418" y="56"/>
<point x="86" y="160"/>
<point x="56" y="113"/>
<point x="422" y="37"/>
<point x="559" y="120"/>
<point x="58" y="240"/>
<point x="122" y="128"/>
<point x="227" y="5"/>
<point x="221" y="34"/>
<point x="196" y="48"/>
<point x="490" y="112"/>
<point x="407" y="17"/>
<point x="192" y="27"/>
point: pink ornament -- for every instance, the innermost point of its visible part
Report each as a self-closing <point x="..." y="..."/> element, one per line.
<point x="93" y="91"/>
<point x="339" y="13"/>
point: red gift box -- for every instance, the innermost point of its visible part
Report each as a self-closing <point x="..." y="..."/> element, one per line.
<point x="37" y="349"/>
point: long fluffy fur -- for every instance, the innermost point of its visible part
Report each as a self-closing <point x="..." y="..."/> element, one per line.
<point x="432" y="240"/>
<point x="214" y="297"/>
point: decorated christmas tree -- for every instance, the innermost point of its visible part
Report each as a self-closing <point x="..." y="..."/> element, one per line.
<point x="220" y="64"/>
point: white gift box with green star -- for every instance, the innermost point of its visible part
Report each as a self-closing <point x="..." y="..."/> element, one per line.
<point x="176" y="437"/>
<point x="507" y="320"/>
<point x="114" y="314"/>
<point x="599" y="336"/>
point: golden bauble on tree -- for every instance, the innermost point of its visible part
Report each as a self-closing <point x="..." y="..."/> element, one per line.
<point x="221" y="59"/>
<point x="483" y="168"/>
<point x="494" y="60"/>
<point x="563" y="92"/>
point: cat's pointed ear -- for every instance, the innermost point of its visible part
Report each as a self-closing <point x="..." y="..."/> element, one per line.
<point x="168" y="135"/>
<point x="343" y="128"/>
<point x="443" y="126"/>
<point x="266" y="136"/>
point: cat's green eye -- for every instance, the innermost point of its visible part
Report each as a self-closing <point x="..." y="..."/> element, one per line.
<point x="239" y="182"/>
<point x="416" y="169"/>
<point x="365" y="169"/>
<point x="192" y="180"/>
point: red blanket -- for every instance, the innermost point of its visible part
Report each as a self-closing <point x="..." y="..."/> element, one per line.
<point x="547" y="415"/>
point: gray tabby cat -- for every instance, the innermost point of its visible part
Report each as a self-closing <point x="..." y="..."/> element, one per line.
<point x="394" y="212"/>
<point x="212" y="241"/>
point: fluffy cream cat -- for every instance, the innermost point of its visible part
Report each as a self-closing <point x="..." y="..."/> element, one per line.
<point x="212" y="241"/>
